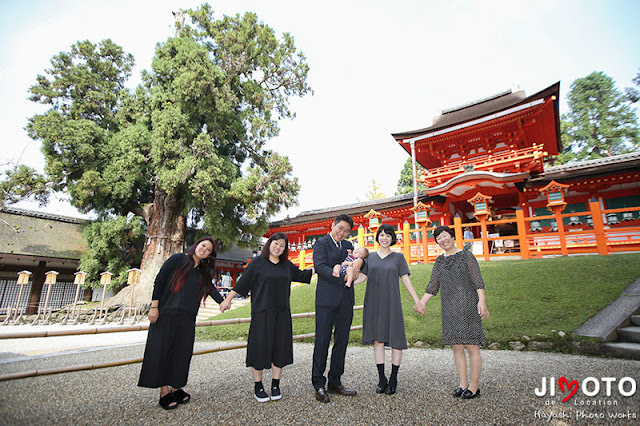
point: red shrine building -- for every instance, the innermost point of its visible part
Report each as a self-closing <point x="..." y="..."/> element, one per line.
<point x="488" y="172"/>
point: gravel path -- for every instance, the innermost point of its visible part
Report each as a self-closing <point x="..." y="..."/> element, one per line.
<point x="221" y="388"/>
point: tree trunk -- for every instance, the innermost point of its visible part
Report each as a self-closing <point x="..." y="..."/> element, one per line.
<point x="166" y="224"/>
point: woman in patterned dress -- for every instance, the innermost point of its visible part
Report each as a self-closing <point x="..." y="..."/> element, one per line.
<point x="382" y="322"/>
<point x="457" y="274"/>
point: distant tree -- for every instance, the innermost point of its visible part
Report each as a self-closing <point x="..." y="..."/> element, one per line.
<point x="375" y="191"/>
<point x="600" y="121"/>
<point x="189" y="142"/>
<point x="405" y="183"/>
<point x="115" y="244"/>
<point x="633" y="93"/>
<point x="20" y="182"/>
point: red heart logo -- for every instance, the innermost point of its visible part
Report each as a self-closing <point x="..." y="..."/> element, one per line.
<point x="571" y="386"/>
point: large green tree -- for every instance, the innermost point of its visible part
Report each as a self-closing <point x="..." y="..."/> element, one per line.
<point x="405" y="183"/>
<point x="187" y="146"/>
<point x="599" y="122"/>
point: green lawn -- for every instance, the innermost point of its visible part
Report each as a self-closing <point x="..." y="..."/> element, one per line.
<point x="525" y="297"/>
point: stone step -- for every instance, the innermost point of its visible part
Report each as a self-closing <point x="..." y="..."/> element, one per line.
<point x="212" y="309"/>
<point x="635" y="319"/>
<point x="628" y="350"/>
<point x="629" y="334"/>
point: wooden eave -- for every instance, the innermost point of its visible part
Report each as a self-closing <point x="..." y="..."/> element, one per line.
<point x="590" y="169"/>
<point x="460" y="123"/>
<point x="322" y="219"/>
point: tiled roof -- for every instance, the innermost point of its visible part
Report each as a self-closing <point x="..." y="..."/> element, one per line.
<point x="24" y="232"/>
<point x="479" y="108"/>
<point x="598" y="166"/>
<point x="353" y="209"/>
<point x="598" y="162"/>
<point x="236" y="254"/>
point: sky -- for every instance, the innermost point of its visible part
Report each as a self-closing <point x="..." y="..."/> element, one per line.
<point x="377" y="67"/>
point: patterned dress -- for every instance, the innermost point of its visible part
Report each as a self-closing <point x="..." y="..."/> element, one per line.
<point x="382" y="319"/>
<point x="458" y="278"/>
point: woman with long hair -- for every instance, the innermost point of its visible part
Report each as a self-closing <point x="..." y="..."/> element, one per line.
<point x="270" y="342"/>
<point x="184" y="281"/>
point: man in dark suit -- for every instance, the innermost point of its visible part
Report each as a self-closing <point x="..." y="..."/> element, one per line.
<point x="334" y="309"/>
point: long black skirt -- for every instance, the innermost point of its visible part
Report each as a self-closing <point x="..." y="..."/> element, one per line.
<point x="270" y="340"/>
<point x="167" y="355"/>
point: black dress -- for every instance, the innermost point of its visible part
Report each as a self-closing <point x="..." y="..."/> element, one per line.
<point x="270" y="333"/>
<point x="458" y="278"/>
<point x="382" y="318"/>
<point x="169" y="348"/>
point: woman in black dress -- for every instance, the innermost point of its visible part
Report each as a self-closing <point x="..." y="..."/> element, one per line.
<point x="382" y="322"/>
<point x="269" y="345"/>
<point x="184" y="281"/>
<point x="457" y="274"/>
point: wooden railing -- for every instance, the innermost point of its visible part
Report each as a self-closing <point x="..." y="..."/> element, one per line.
<point x="594" y="231"/>
<point x="492" y="162"/>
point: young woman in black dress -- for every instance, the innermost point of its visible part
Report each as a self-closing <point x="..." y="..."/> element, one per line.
<point x="184" y="281"/>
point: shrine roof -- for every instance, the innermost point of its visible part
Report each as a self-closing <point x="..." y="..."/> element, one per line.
<point x="26" y="232"/>
<point x="479" y="108"/>
<point x="598" y="166"/>
<point x="351" y="209"/>
<point x="235" y="254"/>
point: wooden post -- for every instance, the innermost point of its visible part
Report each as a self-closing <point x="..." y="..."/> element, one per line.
<point x="457" y="228"/>
<point x="133" y="278"/>
<point x="522" y="234"/>
<point x="484" y="235"/>
<point x="78" y="281"/>
<point x="50" y="280"/>
<point x="105" y="280"/>
<point x="425" y="242"/>
<point x="406" y="240"/>
<point x="23" y="278"/>
<point x="301" y="259"/>
<point x="598" y="227"/>
<point x="557" y="210"/>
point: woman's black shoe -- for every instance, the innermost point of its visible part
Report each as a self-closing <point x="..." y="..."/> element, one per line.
<point x="382" y="386"/>
<point x="390" y="390"/>
<point x="169" y="401"/>
<point x="458" y="392"/>
<point x="467" y="394"/>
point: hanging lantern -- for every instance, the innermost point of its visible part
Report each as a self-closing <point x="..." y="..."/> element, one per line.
<point x="133" y="276"/>
<point x="422" y="212"/>
<point x="23" y="277"/>
<point x="481" y="205"/>
<point x="555" y="195"/>
<point x="51" y="277"/>
<point x="375" y="219"/>
<point x="79" y="277"/>
<point x="105" y="278"/>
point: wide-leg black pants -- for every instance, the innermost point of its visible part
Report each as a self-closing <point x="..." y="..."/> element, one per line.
<point x="167" y="355"/>
<point x="270" y="339"/>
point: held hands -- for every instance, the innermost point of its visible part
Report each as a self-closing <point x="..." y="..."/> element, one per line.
<point x="483" y="311"/>
<point x="419" y="307"/>
<point x="225" y="305"/>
